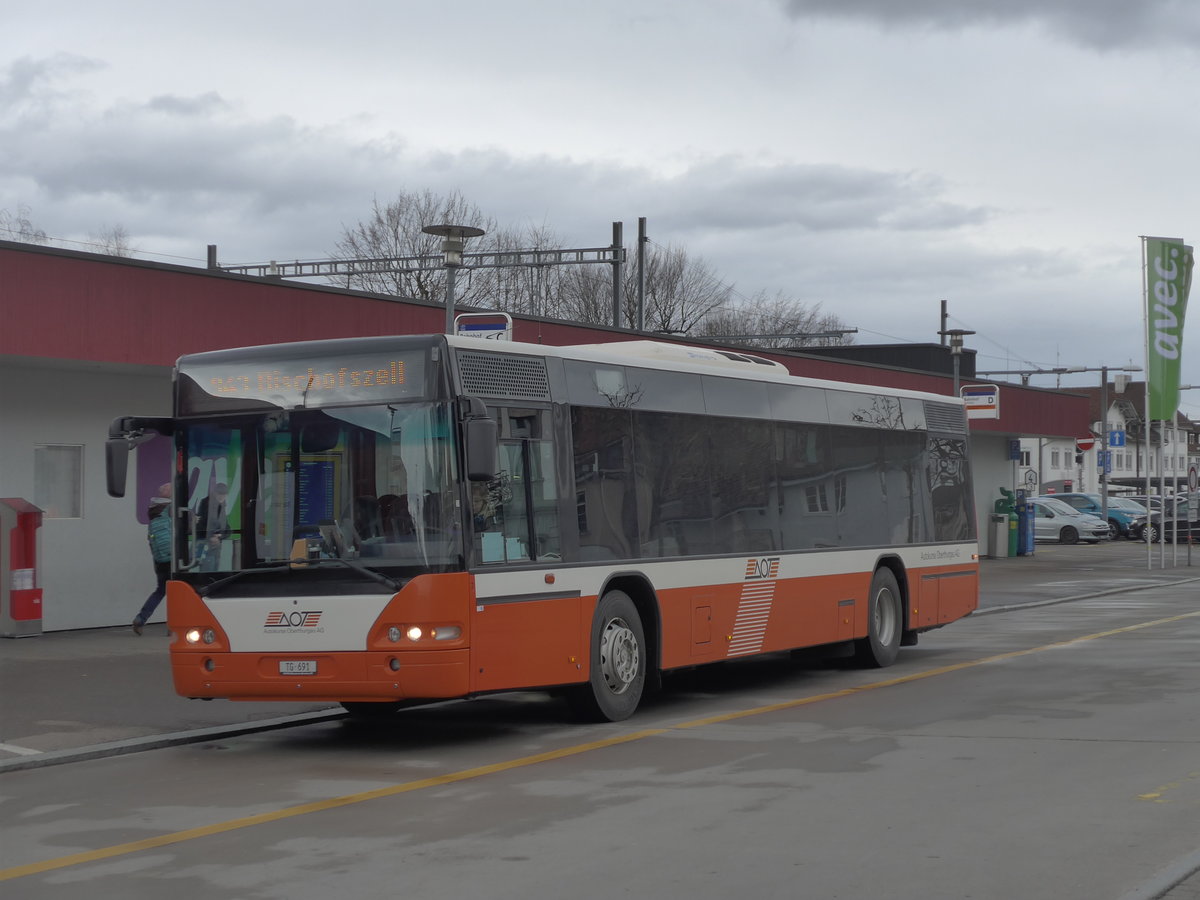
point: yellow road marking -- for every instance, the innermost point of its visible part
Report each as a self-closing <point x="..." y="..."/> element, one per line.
<point x="1160" y="794"/>
<point x="178" y="837"/>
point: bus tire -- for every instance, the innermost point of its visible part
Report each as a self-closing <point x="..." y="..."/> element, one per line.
<point x="885" y="622"/>
<point x="618" y="662"/>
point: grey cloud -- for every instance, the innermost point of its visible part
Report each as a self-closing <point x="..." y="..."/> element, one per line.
<point x="877" y="248"/>
<point x="202" y="105"/>
<point x="820" y="198"/>
<point x="1099" y="24"/>
<point x="31" y="83"/>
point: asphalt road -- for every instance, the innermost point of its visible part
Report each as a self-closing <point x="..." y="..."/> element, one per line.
<point x="1043" y="752"/>
<point x="107" y="690"/>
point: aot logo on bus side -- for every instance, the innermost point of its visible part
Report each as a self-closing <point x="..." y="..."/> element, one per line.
<point x="296" y="619"/>
<point x="762" y="567"/>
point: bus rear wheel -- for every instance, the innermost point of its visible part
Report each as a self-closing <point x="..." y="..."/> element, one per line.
<point x="618" y="662"/>
<point x="885" y="623"/>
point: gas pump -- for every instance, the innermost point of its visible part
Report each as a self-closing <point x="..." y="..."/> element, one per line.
<point x="1025" y="513"/>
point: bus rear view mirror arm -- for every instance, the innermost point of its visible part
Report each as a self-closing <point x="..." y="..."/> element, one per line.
<point x="125" y="433"/>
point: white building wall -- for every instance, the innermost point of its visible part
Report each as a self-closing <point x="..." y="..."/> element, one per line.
<point x="94" y="570"/>
<point x="992" y="470"/>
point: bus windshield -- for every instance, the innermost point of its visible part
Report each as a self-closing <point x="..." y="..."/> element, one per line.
<point x="372" y="484"/>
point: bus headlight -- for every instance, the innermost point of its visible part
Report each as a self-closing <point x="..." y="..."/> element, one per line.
<point x="394" y="634"/>
<point x="195" y="636"/>
<point x="414" y="633"/>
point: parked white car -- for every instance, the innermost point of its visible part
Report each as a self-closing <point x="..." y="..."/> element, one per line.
<point x="1054" y="520"/>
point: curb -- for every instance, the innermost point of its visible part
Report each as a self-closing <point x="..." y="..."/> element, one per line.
<point x="158" y="741"/>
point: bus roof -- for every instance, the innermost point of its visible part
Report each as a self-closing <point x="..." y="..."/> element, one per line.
<point x="687" y="358"/>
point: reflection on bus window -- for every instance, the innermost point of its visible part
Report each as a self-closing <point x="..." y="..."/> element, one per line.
<point x="374" y="483"/>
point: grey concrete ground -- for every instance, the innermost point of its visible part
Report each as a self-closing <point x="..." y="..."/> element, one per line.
<point x="71" y="695"/>
<point x="70" y="690"/>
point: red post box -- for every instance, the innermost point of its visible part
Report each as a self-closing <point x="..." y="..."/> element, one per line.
<point x="20" y="597"/>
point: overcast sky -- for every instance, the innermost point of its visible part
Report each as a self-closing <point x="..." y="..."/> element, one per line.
<point x="872" y="156"/>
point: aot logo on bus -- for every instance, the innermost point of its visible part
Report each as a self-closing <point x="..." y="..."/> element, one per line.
<point x="297" y="619"/>
<point x="764" y="567"/>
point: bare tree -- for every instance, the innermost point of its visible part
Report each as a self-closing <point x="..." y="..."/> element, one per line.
<point x="681" y="291"/>
<point x="19" y="227"/>
<point x="394" y="230"/>
<point x="113" y="240"/>
<point x="778" y="321"/>
<point x="683" y="295"/>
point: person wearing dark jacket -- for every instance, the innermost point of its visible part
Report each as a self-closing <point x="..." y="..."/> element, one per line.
<point x="158" y="534"/>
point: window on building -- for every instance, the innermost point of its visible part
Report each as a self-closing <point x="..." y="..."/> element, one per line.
<point x="1054" y="458"/>
<point x="1025" y="458"/>
<point x="58" y="480"/>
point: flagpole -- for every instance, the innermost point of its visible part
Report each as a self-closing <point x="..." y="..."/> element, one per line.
<point x="1146" y="401"/>
<point x="1166" y="283"/>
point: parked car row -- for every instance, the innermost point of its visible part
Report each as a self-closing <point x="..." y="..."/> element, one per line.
<point x="1135" y="518"/>
<point x="1125" y="518"/>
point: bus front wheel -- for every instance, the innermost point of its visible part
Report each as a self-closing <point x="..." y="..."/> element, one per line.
<point x="885" y="623"/>
<point x="618" y="662"/>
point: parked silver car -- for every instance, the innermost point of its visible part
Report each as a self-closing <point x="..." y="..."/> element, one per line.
<point x="1053" y="520"/>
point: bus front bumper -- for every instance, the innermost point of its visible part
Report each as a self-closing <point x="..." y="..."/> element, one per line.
<point x="358" y="676"/>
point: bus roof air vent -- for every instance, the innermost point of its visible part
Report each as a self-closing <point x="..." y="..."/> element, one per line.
<point x="503" y="375"/>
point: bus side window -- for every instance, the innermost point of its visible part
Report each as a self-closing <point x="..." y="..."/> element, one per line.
<point x="515" y="517"/>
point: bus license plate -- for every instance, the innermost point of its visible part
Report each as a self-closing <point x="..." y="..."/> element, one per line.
<point x="298" y="667"/>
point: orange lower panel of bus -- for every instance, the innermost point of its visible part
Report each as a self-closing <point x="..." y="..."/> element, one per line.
<point x="352" y="676"/>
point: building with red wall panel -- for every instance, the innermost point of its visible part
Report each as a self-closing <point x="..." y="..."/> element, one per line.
<point x="87" y="337"/>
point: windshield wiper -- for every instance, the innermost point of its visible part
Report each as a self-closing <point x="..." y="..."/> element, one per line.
<point x="221" y="582"/>
<point x="379" y="577"/>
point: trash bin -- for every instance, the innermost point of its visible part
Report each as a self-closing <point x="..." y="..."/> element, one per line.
<point x="997" y="536"/>
<point x="1013" y="531"/>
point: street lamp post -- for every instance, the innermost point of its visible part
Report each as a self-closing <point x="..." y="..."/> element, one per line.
<point x="453" y="239"/>
<point x="956" y="336"/>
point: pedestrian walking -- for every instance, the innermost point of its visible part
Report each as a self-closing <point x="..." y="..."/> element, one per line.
<point x="158" y="534"/>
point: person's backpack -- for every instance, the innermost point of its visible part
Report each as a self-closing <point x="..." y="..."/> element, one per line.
<point x="159" y="536"/>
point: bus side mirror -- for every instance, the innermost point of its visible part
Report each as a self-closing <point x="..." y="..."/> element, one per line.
<point x="116" y="464"/>
<point x="125" y="433"/>
<point x="482" y="437"/>
<point x="483" y="449"/>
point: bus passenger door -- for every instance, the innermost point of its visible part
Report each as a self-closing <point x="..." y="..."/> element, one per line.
<point x="532" y="634"/>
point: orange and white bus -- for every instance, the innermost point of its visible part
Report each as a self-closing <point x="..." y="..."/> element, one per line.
<point x="380" y="520"/>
